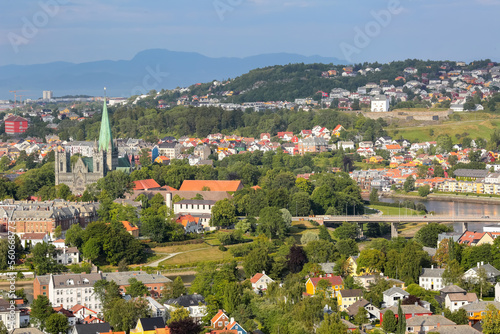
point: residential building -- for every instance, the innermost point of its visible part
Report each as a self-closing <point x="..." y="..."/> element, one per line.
<point x="67" y="255"/>
<point x="202" y="151"/>
<point x="15" y="125"/>
<point x="455" y="301"/>
<point x="154" y="282"/>
<point x="211" y="185"/>
<point x="91" y="328"/>
<point x="47" y="95"/>
<point x="491" y="272"/>
<point x="312" y="145"/>
<point x="32" y="239"/>
<point x="69" y="290"/>
<point x="11" y="316"/>
<point x="373" y="313"/>
<point x="431" y="279"/>
<point x="169" y="150"/>
<point x="336" y="282"/>
<point x="409" y="311"/>
<point x="346" y="298"/>
<point x="156" y="309"/>
<point x="380" y="103"/>
<point x="148" y="325"/>
<point x="260" y="281"/>
<point x="427" y="323"/>
<point x="476" y="311"/>
<point x="497" y="292"/>
<point x="456" y="329"/>
<point x="220" y="320"/>
<point x="195" y="304"/>
<point x="393" y="295"/>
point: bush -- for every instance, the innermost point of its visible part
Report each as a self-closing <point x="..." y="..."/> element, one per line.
<point x="222" y="248"/>
<point x="232" y="238"/>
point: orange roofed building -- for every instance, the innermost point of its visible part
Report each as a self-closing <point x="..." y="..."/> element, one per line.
<point x="148" y="184"/>
<point x="220" y="320"/>
<point x="211" y="185"/>
<point x="131" y="229"/>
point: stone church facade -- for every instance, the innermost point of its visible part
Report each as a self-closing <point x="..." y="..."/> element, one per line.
<point x="88" y="170"/>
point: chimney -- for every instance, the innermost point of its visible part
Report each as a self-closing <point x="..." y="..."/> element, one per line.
<point x="438" y="325"/>
<point x="482" y="263"/>
<point x="416" y="303"/>
<point x="432" y="266"/>
<point x="478" y="264"/>
<point x="263" y="272"/>
<point x="232" y="320"/>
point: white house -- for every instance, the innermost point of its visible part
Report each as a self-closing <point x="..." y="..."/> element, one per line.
<point x="157" y="309"/>
<point x="380" y="103"/>
<point x="34" y="238"/>
<point x="345" y="145"/>
<point x="497" y="292"/>
<point x="11" y="320"/>
<point x="431" y="279"/>
<point x="195" y="304"/>
<point x="260" y="281"/>
<point x="455" y="301"/>
<point x="69" y="290"/>
<point x="491" y="272"/>
<point x="393" y="295"/>
<point x="67" y="255"/>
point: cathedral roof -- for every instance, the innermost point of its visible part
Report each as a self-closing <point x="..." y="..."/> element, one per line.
<point x="105" y="138"/>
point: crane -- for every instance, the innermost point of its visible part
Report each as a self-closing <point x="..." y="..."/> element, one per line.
<point x="15" y="94"/>
<point x="21" y="98"/>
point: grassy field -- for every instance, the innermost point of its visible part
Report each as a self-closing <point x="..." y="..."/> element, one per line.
<point x="179" y="248"/>
<point x="473" y="125"/>
<point x="391" y="211"/>
<point x="204" y="254"/>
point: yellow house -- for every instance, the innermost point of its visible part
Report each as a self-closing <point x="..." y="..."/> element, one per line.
<point x="148" y="325"/>
<point x="346" y="298"/>
<point x="352" y="265"/>
<point x="336" y="282"/>
<point x="376" y="159"/>
<point x="477" y="311"/>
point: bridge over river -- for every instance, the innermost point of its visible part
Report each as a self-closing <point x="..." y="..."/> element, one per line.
<point x="395" y="220"/>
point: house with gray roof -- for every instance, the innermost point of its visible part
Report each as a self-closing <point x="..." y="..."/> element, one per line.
<point x="431" y="279"/>
<point x="393" y="295"/>
<point x="194" y="303"/>
<point x="427" y="323"/>
<point x="472" y="274"/>
<point x="154" y="282"/>
<point x="71" y="289"/>
<point x="457" y="329"/>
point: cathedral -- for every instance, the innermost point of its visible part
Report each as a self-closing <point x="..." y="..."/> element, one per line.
<point x="88" y="170"/>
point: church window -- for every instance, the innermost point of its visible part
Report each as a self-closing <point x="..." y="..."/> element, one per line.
<point x="97" y="166"/>
<point x="61" y="166"/>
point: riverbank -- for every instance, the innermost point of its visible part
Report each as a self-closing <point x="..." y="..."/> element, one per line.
<point x="447" y="198"/>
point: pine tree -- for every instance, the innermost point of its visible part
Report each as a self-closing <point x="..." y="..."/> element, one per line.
<point x="401" y="328"/>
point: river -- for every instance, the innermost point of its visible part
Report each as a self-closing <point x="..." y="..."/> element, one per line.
<point x="450" y="208"/>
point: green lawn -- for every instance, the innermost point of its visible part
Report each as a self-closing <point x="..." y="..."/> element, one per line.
<point x="474" y="125"/>
<point x="391" y="211"/>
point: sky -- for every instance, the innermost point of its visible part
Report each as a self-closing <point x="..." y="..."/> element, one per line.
<point x="42" y="31"/>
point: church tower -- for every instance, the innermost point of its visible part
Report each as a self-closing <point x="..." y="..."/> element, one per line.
<point x="106" y="144"/>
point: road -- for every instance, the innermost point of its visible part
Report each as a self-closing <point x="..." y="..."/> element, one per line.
<point x="402" y="219"/>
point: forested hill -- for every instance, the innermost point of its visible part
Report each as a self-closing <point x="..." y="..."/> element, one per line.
<point x="288" y="82"/>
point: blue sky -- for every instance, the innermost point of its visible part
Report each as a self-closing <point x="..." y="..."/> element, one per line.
<point x="87" y="30"/>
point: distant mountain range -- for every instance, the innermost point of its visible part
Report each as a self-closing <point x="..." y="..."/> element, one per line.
<point x="149" y="69"/>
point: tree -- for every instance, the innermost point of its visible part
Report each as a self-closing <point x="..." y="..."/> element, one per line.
<point x="116" y="183"/>
<point x="122" y="315"/>
<point x="390" y="322"/>
<point x="43" y="259"/>
<point x="136" y="288"/>
<point x="308" y="237"/>
<point x="346" y="231"/>
<point x="409" y="184"/>
<point x="223" y="214"/>
<point x="56" y="323"/>
<point x="287" y="217"/>
<point x="178" y="314"/>
<point x="320" y="251"/>
<point x="41" y="309"/>
<point x="428" y="235"/>
<point x="424" y="191"/>
<point x="372" y="260"/>
<point x="184" y="326"/>
<point x="324" y="234"/>
<point x="453" y="273"/>
<point x="347" y="247"/>
<point x="361" y="316"/>
<point x="58" y="232"/>
<point x="491" y="320"/>
<point x="401" y="327"/>
<point x="3" y="328"/>
<point x="482" y="281"/>
<point x="174" y="289"/>
<point x="257" y="261"/>
<point x="332" y="324"/>
<point x="296" y="259"/>
<point x="271" y="223"/>
<point x="374" y="195"/>
<point x="74" y="236"/>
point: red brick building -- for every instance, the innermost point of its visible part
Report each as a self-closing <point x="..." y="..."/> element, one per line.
<point x="15" y="125"/>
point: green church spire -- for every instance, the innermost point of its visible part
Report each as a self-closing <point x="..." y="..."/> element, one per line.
<point x="105" y="138"/>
